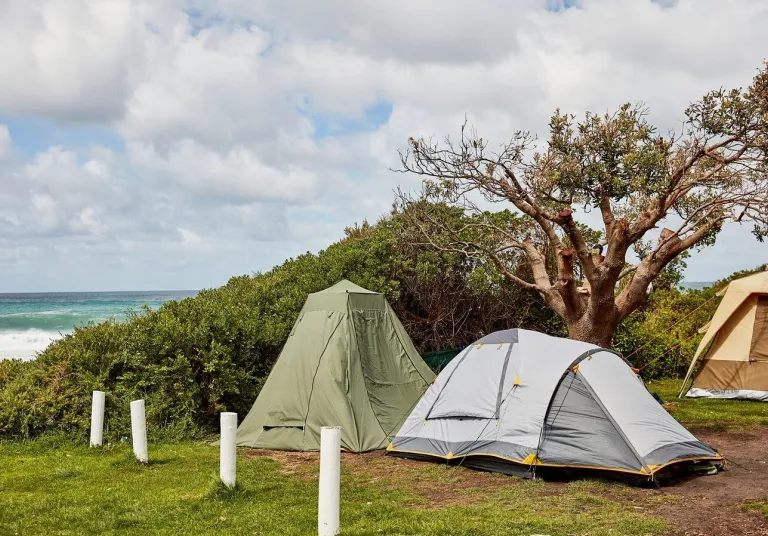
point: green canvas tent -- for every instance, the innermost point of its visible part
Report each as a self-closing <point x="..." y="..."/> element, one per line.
<point x="347" y="362"/>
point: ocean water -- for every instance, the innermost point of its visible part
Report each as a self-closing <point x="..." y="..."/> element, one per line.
<point x="30" y="322"/>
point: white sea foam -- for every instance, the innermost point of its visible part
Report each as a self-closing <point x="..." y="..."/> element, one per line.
<point x="25" y="344"/>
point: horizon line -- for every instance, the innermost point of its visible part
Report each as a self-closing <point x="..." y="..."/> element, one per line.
<point x="100" y="291"/>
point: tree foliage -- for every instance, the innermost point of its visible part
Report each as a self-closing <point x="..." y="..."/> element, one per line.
<point x="713" y="172"/>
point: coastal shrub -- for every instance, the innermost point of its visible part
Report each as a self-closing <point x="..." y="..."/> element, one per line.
<point x="193" y="358"/>
<point x="661" y="338"/>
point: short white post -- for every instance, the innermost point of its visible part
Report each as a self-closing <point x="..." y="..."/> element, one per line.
<point x="330" y="481"/>
<point x="228" y="449"/>
<point x="97" y="419"/>
<point x="139" y="431"/>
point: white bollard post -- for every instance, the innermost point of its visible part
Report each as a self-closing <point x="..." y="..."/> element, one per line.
<point x="330" y="481"/>
<point x="228" y="449"/>
<point x="139" y="431"/>
<point x="97" y="419"/>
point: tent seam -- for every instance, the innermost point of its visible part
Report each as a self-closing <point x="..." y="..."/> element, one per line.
<point x="501" y="380"/>
<point x="521" y="462"/>
<point x="358" y="435"/>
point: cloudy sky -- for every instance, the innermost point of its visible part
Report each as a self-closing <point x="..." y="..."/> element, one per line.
<point x="173" y="144"/>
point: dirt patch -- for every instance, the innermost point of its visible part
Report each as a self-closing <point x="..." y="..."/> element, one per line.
<point x="711" y="505"/>
<point x="438" y="486"/>
<point x="697" y="506"/>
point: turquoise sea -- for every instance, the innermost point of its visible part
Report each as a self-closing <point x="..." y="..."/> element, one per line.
<point x="29" y="322"/>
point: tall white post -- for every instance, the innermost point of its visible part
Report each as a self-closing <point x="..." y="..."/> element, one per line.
<point x="139" y="431"/>
<point x="97" y="419"/>
<point x="228" y="449"/>
<point x="330" y="481"/>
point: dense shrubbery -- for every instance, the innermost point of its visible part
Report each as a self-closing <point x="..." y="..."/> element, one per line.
<point x="193" y="358"/>
<point x="661" y="338"/>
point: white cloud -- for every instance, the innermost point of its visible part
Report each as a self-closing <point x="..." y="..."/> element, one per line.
<point x="236" y="174"/>
<point x="69" y="59"/>
<point x="218" y="107"/>
<point x="56" y="196"/>
<point x="5" y="141"/>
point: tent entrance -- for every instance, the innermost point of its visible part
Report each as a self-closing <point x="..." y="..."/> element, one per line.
<point x="577" y="431"/>
<point x="388" y="371"/>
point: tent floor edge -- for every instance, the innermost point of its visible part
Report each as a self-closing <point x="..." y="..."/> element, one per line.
<point x="727" y="394"/>
<point x="517" y="469"/>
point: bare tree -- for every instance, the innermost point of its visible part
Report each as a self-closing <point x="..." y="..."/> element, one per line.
<point x="691" y="183"/>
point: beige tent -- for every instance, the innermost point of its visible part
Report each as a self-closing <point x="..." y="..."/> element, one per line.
<point x="734" y="350"/>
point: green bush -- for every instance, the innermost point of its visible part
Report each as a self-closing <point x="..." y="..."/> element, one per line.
<point x="193" y="358"/>
<point x="662" y="337"/>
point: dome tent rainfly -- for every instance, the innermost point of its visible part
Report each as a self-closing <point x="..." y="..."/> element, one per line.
<point x="347" y="362"/>
<point x="735" y="364"/>
<point x="517" y="400"/>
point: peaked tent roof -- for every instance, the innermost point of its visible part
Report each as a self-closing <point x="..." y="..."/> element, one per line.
<point x="346" y="286"/>
<point x="518" y="399"/>
<point x="347" y="362"/>
<point x="734" y="295"/>
<point x="736" y="332"/>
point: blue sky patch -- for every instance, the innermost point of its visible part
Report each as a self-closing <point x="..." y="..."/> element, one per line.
<point x="665" y="3"/>
<point x="34" y="134"/>
<point x="334" y="124"/>
<point x="198" y="20"/>
<point x="562" y="5"/>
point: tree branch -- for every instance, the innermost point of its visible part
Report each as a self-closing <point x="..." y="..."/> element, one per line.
<point x="624" y="273"/>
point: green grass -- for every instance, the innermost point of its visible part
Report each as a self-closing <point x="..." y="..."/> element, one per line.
<point x="54" y="488"/>
<point x="756" y="505"/>
<point x="719" y="415"/>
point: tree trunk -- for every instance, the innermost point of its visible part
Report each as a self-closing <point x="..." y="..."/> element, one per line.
<point x="593" y="328"/>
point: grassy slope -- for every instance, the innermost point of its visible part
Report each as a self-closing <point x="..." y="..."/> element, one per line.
<point x="53" y="487"/>
<point x="46" y="489"/>
<point x="719" y="415"/>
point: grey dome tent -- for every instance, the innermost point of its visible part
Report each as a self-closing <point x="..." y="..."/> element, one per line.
<point x="517" y="400"/>
<point x="347" y="362"/>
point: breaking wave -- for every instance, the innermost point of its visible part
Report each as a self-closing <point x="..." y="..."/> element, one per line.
<point x="25" y="344"/>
